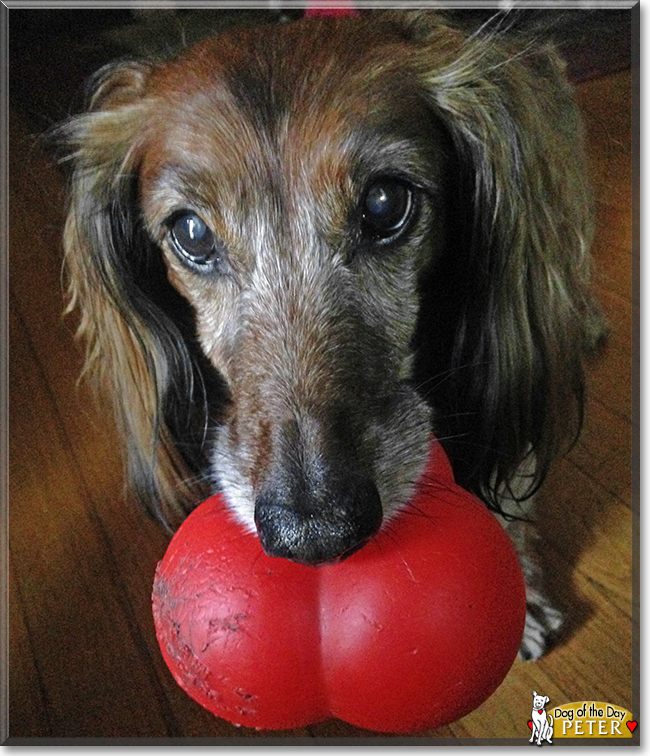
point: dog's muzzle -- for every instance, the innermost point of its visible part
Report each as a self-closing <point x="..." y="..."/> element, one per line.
<point x="319" y="526"/>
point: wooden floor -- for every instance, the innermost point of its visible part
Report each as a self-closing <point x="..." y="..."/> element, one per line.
<point x="83" y="656"/>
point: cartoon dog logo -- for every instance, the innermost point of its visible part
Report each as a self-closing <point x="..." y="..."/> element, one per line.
<point x="542" y="723"/>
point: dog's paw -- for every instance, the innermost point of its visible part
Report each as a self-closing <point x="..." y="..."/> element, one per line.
<point x="543" y="625"/>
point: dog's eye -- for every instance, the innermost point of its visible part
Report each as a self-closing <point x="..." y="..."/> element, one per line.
<point x="387" y="208"/>
<point x="193" y="239"/>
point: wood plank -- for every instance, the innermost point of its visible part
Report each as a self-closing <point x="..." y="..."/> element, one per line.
<point x="603" y="451"/>
<point x="28" y="697"/>
<point x="81" y="637"/>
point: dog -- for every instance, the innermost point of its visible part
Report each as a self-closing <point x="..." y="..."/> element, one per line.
<point x="542" y="722"/>
<point x="298" y="250"/>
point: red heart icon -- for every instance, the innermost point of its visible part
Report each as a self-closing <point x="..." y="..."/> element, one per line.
<point x="530" y="723"/>
<point x="631" y="726"/>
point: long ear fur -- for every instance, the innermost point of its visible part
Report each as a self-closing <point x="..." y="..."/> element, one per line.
<point x="515" y="278"/>
<point x="136" y="347"/>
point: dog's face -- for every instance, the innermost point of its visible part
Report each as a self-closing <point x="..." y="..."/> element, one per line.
<point x="356" y="212"/>
<point x="295" y="186"/>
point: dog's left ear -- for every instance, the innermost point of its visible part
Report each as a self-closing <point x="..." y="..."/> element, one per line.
<point x="520" y="270"/>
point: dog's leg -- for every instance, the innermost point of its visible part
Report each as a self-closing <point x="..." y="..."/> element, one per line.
<point x="540" y="732"/>
<point x="543" y="620"/>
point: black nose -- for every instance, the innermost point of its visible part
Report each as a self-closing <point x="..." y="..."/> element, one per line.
<point x="321" y="526"/>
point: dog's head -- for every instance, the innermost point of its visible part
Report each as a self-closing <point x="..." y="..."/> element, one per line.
<point x="289" y="242"/>
<point x="539" y="702"/>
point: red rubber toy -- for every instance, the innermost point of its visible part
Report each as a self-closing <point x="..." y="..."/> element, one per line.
<point x="413" y="631"/>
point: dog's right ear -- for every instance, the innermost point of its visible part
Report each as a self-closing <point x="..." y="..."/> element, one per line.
<point x="102" y="148"/>
<point x="132" y="348"/>
<point x="103" y="141"/>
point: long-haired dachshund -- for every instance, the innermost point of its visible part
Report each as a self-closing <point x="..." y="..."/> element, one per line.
<point x="299" y="249"/>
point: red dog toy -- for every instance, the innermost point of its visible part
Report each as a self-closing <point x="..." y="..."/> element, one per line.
<point x="411" y="632"/>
